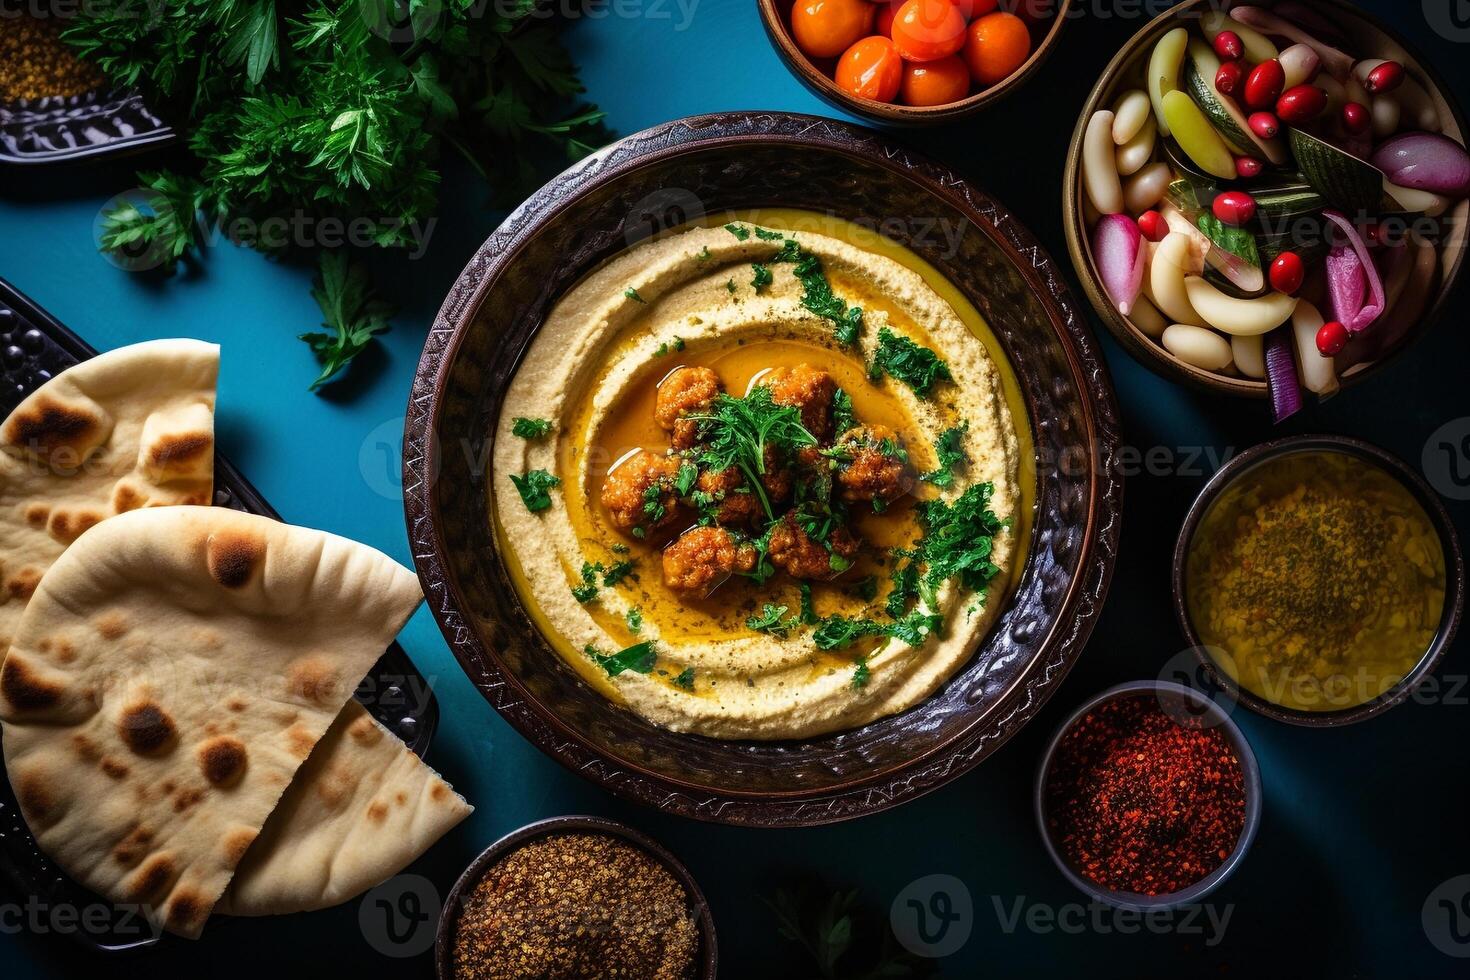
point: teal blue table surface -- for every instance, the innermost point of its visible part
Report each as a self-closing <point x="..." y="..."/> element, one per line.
<point x="1360" y="824"/>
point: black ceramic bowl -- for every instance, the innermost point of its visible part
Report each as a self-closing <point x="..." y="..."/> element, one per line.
<point x="708" y="956"/>
<point x="656" y="180"/>
<point x="1454" y="562"/>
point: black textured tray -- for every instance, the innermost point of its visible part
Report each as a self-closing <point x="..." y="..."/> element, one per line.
<point x="57" y="129"/>
<point x="34" y="346"/>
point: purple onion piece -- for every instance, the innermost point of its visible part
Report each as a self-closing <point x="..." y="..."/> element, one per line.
<point x="1281" y="376"/>
<point x="1425" y="162"/>
<point x="1346" y="273"/>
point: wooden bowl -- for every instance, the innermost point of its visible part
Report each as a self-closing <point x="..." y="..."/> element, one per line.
<point x="662" y="178"/>
<point x="816" y="75"/>
<point x="1372" y="39"/>
<point x="1439" y="518"/>
<point x="707" y="959"/>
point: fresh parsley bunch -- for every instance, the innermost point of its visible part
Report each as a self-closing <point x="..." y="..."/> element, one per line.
<point x="302" y="110"/>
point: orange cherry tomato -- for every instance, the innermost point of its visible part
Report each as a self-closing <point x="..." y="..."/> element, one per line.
<point x="997" y="44"/>
<point x="935" y="82"/>
<point x="871" y="69"/>
<point x="976" y="8"/>
<point x="927" y="30"/>
<point x="884" y="25"/>
<point x="826" y="28"/>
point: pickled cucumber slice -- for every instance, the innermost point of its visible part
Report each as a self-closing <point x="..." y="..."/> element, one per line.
<point x="1197" y="137"/>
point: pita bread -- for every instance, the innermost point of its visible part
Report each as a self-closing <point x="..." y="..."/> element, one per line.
<point x="130" y="428"/>
<point x="172" y="672"/>
<point x="361" y="809"/>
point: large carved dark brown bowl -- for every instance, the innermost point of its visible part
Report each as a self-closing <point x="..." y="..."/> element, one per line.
<point x="653" y="181"/>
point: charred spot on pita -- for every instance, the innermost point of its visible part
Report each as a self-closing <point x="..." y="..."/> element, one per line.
<point x="25" y="689"/>
<point x="222" y="760"/>
<point x="146" y="728"/>
<point x="233" y="557"/>
<point x="49" y="425"/>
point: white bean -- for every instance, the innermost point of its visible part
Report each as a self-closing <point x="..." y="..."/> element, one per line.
<point x="1146" y="317"/>
<point x="1197" y="346"/>
<point x="1387" y="112"/>
<point x="1411" y="199"/>
<point x="1146" y="188"/>
<point x="1166" y="280"/>
<point x="1131" y="156"/>
<point x="1099" y="169"/>
<point x="1319" y="375"/>
<point x="1129" y="114"/>
<point x="1300" y="63"/>
<point x="1250" y="356"/>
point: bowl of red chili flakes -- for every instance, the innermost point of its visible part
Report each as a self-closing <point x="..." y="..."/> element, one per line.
<point x="1148" y="796"/>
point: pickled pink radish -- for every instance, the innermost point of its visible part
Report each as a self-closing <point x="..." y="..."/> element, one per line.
<point x="1120" y="255"/>
<point x="1351" y="273"/>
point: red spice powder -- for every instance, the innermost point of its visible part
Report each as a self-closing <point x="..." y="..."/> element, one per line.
<point x="1138" y="802"/>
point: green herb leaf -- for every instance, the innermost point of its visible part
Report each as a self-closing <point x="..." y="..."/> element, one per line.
<point x="534" y="487"/>
<point x="738" y="431"/>
<point x="959" y="537"/>
<point x="844" y="418"/>
<point x="631" y="293"/>
<point x="763" y="276"/>
<point x="685" y="679"/>
<point x="684" y="479"/>
<point x="350" y="309"/>
<point x="639" y="658"/>
<point x="861" y="674"/>
<point x="951" y="455"/>
<point x="634" y="618"/>
<point x="526" y="428"/>
<point x="740" y="233"/>
<point x="918" y="367"/>
<point x="617" y="573"/>
<point x="770" y="621"/>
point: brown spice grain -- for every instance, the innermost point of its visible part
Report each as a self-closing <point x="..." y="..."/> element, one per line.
<point x="35" y="62"/>
<point x="576" y="907"/>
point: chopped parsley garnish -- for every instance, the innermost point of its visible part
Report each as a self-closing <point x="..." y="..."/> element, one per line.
<point x="861" y="674"/>
<point x="534" y="489"/>
<point x="634" y="618"/>
<point x="678" y="343"/>
<point x="905" y="579"/>
<point x="587" y="591"/>
<point x="808" y="611"/>
<point x="839" y="632"/>
<point x="703" y="255"/>
<point x="684" y="479"/>
<point x="685" y="679"/>
<point x="763" y="276"/>
<point x="631" y="293"/>
<point x="662" y="350"/>
<point x="730" y="285"/>
<point x="958" y="538"/>
<point x="951" y="455"/>
<point x="639" y="658"/>
<point x="918" y="367"/>
<point x="705" y="503"/>
<point x="617" y="573"/>
<point x="817" y="296"/>
<point x="837" y="563"/>
<point x="525" y="428"/>
<point x="891" y="448"/>
<point x="653" y="502"/>
<point x="740" y="429"/>
<point x="843" y="417"/>
<point x="763" y="568"/>
<point x="741" y="234"/>
<point x="770" y="621"/>
<point x="767" y="235"/>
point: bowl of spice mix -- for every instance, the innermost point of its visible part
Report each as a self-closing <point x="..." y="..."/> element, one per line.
<point x="572" y="898"/>
<point x="1148" y="796"/>
<point x="1319" y="579"/>
<point x="56" y="107"/>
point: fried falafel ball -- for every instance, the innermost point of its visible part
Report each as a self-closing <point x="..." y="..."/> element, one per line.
<point x="795" y="552"/>
<point x="687" y="391"/>
<point x="809" y="389"/>
<point x="630" y="496"/>
<point x="700" y="560"/>
<point x="875" y="466"/>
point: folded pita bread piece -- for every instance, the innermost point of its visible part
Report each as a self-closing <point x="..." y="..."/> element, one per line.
<point x="360" y="810"/>
<point x="173" y="671"/>
<point x="127" y="429"/>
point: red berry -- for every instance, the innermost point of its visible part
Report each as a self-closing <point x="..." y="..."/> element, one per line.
<point x="1229" y="77"/>
<point x="1264" y="84"/>
<point x="1288" y="273"/>
<point x="1229" y="46"/>
<point x="1235" y="207"/>
<point x="1385" y="78"/>
<point x="1331" y="339"/>
<point x="1265" y="125"/>
<point x="1248" y="168"/>
<point x="1301" y="105"/>
<point x="1356" y="119"/>
<point x="1153" y="226"/>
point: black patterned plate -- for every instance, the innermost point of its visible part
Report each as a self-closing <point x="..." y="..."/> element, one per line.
<point x="33" y="348"/>
<point x="57" y="129"/>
